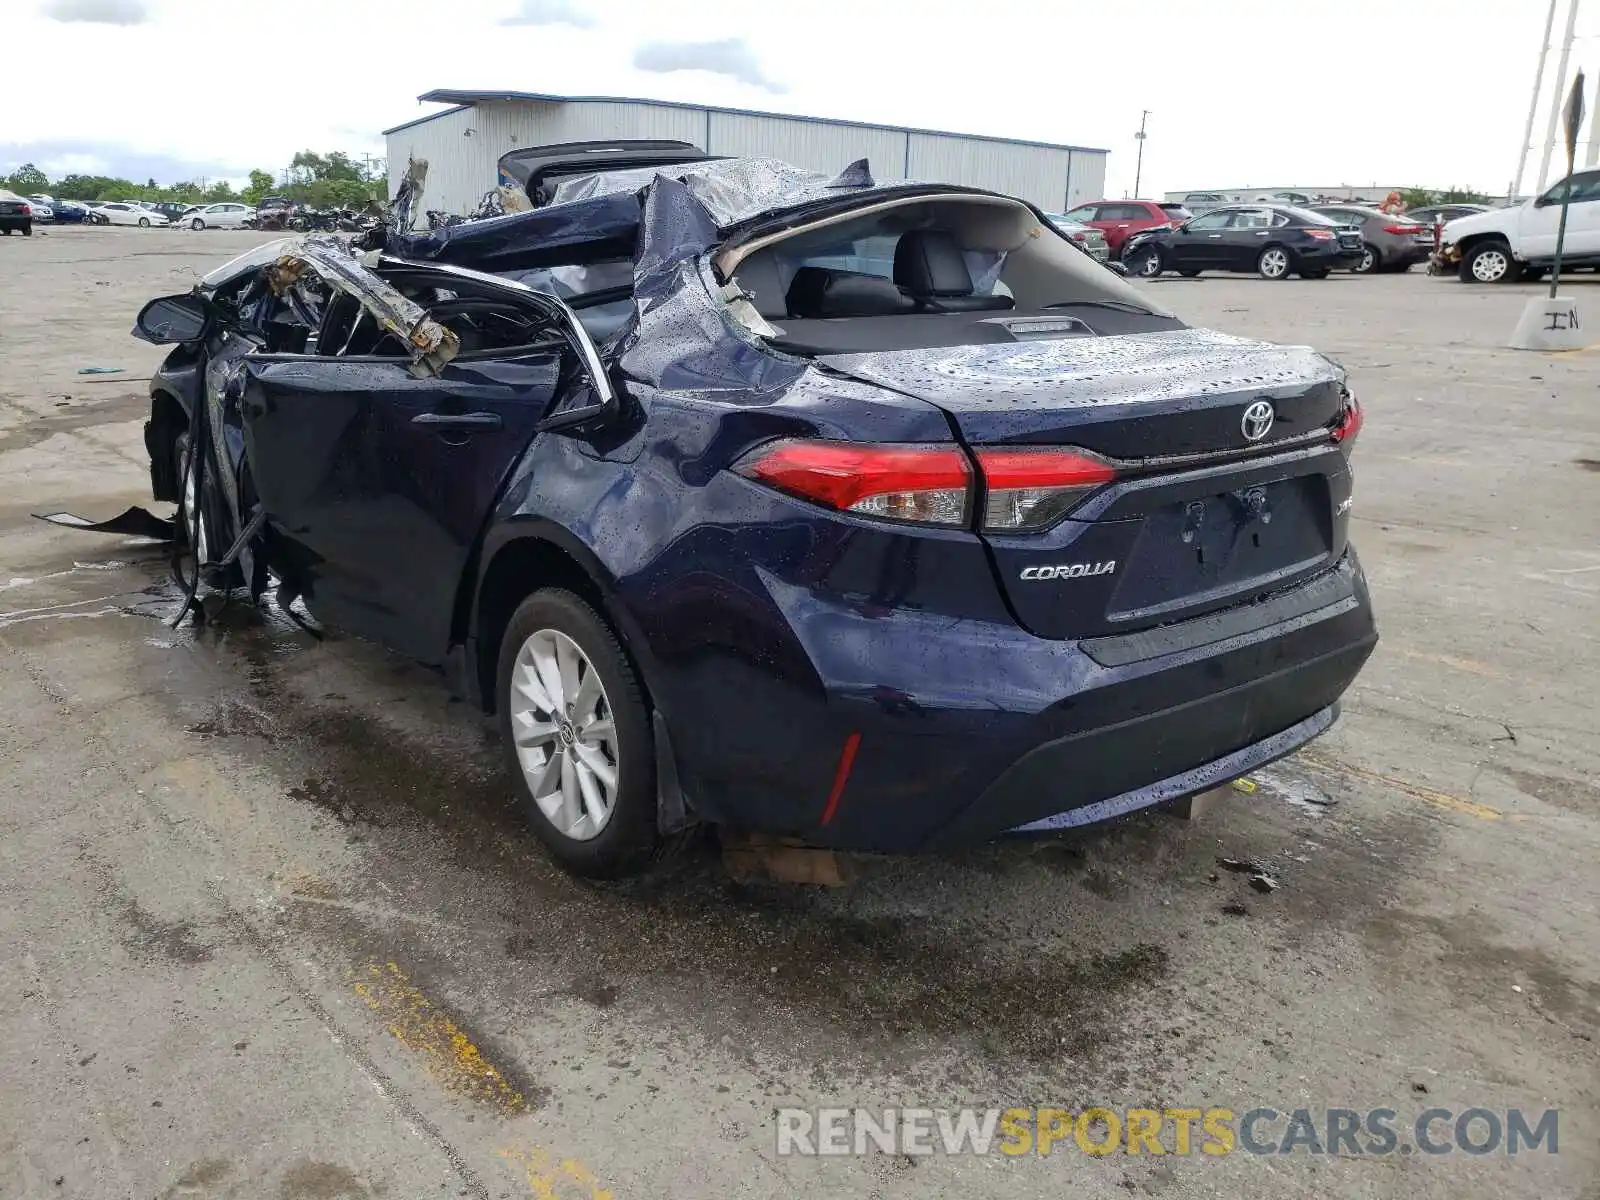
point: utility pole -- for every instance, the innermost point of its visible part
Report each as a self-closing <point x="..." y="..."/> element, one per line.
<point x="1138" y="170"/>
<point x="1533" y="104"/>
<point x="1559" y="98"/>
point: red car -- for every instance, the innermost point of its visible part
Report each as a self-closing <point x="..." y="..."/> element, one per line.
<point x="1120" y="219"/>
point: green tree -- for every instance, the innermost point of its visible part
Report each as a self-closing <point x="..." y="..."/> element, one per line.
<point x="218" y="192"/>
<point x="27" y="179"/>
<point x="261" y="182"/>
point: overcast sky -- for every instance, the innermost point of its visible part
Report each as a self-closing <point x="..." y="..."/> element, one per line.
<point x="1250" y="93"/>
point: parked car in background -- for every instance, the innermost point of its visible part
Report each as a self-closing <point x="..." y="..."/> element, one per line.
<point x="1273" y="240"/>
<point x="66" y="212"/>
<point x="1199" y="202"/>
<point x="1087" y="236"/>
<point x="168" y="210"/>
<point x="1177" y="213"/>
<point x="1504" y="245"/>
<point x="1301" y="199"/>
<point x="16" y="214"/>
<point x="1443" y="214"/>
<point x="1120" y="219"/>
<point x="43" y="207"/>
<point x="1388" y="243"/>
<point x="227" y="215"/>
<point x="842" y="511"/>
<point x="126" y="212"/>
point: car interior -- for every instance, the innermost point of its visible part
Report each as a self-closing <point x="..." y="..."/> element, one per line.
<point x="921" y="272"/>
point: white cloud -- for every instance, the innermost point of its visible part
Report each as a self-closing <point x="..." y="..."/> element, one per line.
<point x="97" y="12"/>
<point x="549" y="12"/>
<point x="729" y="56"/>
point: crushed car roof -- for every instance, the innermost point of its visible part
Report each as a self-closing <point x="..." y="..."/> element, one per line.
<point x="608" y="205"/>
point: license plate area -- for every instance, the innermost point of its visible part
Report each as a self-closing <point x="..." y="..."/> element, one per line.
<point x="1201" y="550"/>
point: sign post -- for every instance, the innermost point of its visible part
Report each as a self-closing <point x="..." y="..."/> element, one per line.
<point x="1572" y="121"/>
<point x="1548" y="322"/>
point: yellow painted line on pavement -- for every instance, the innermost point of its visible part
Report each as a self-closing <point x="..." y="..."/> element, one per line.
<point x="1432" y="797"/>
<point x="550" y="1178"/>
<point x="421" y="1027"/>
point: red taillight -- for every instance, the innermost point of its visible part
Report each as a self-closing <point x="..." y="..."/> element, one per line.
<point x="1320" y="235"/>
<point x="1405" y="230"/>
<point x="1030" y="489"/>
<point x="925" y="484"/>
<point x="1350" y="422"/>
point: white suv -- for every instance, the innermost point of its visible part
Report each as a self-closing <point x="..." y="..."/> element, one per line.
<point x="1505" y="245"/>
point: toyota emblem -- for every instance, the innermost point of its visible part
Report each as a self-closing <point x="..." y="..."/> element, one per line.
<point x="1257" y="420"/>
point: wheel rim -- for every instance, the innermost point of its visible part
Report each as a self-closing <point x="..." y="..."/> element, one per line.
<point x="1367" y="261"/>
<point x="565" y="734"/>
<point x="198" y="224"/>
<point x="1274" y="263"/>
<point x="1490" y="265"/>
<point x="1150" y="265"/>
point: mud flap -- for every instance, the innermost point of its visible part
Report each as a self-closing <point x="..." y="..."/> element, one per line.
<point x="132" y="522"/>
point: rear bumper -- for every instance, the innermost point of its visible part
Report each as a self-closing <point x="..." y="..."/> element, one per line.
<point x="960" y="732"/>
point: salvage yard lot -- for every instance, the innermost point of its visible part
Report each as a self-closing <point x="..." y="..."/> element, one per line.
<point x="268" y="926"/>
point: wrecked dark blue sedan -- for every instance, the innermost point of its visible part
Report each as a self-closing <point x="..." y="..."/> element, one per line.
<point x="879" y="516"/>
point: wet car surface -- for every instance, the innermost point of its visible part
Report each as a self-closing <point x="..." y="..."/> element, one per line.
<point x="272" y="923"/>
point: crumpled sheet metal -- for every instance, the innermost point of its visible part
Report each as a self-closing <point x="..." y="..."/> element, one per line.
<point x="431" y="345"/>
<point x="520" y="240"/>
<point x="684" y="337"/>
<point x="733" y="190"/>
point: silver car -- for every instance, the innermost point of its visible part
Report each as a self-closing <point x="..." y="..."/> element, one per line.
<point x="1388" y="242"/>
<point x="1087" y="236"/>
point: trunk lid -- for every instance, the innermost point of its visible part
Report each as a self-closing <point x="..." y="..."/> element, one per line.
<point x="1201" y="515"/>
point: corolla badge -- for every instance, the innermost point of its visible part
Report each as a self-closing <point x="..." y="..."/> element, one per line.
<point x="1070" y="570"/>
<point x="1257" y="420"/>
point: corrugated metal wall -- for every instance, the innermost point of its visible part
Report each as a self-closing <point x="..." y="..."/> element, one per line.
<point x="463" y="147"/>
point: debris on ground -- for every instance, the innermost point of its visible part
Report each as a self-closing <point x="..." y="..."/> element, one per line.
<point x="1263" y="876"/>
<point x="100" y="370"/>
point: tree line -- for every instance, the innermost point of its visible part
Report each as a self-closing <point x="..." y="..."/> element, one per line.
<point x="332" y="180"/>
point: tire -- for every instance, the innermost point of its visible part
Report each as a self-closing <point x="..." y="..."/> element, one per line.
<point x="1490" y="262"/>
<point x="27" y="230"/>
<point x="1319" y="273"/>
<point x="144" y="222"/>
<point x="556" y="627"/>
<point x="1144" y="261"/>
<point x="1189" y="272"/>
<point x="1371" y="260"/>
<point x="6" y="231"/>
<point x="197" y="224"/>
<point x="208" y="544"/>
<point x="1274" y="263"/>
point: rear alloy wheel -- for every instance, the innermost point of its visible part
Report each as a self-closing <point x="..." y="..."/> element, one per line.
<point x="1490" y="262"/>
<point x="1273" y="263"/>
<point x="1145" y="262"/>
<point x="197" y="224"/>
<point x="1371" y="260"/>
<point x="144" y="222"/>
<point x="574" y="722"/>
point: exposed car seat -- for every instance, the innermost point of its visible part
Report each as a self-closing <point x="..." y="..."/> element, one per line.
<point x="929" y="266"/>
<point x="823" y="292"/>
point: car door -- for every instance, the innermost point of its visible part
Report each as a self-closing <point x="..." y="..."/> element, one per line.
<point x="1540" y="221"/>
<point x="377" y="483"/>
<point x="1118" y="222"/>
<point x="1241" y="243"/>
<point x="1195" y="245"/>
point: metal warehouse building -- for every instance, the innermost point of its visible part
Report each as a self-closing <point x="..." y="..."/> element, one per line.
<point x="463" y="143"/>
